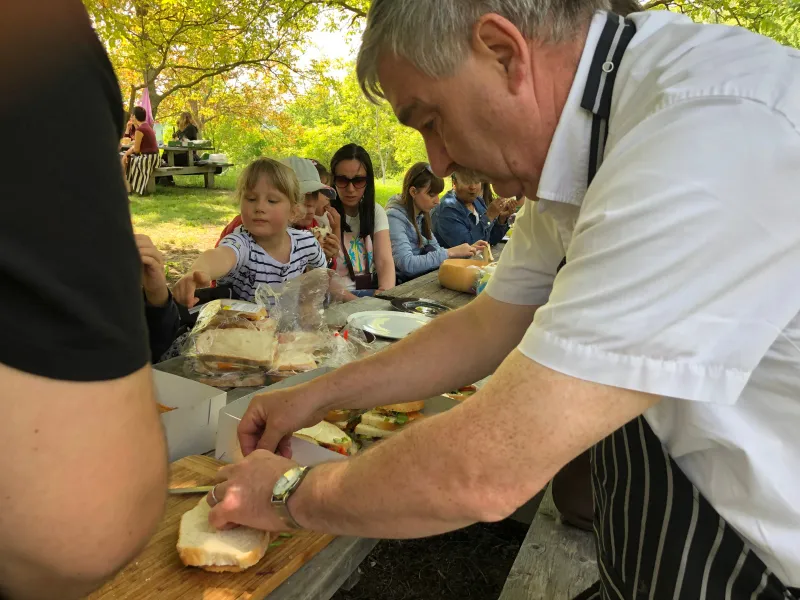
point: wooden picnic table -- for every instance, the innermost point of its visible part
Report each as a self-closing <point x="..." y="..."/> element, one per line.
<point x="171" y="151"/>
<point x="428" y="287"/>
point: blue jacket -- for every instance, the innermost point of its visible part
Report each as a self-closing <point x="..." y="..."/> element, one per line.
<point x="454" y="225"/>
<point x="408" y="258"/>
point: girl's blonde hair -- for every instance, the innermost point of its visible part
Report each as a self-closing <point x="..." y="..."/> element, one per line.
<point x="185" y="120"/>
<point x="279" y="175"/>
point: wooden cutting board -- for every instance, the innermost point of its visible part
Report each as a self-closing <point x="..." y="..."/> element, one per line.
<point x="158" y="572"/>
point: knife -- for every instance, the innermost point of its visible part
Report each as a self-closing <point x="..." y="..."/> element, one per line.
<point x="194" y="490"/>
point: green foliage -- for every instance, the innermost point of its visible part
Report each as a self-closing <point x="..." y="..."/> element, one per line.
<point x="778" y="19"/>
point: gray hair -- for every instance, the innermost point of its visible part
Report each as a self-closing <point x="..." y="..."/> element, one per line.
<point x="434" y="35"/>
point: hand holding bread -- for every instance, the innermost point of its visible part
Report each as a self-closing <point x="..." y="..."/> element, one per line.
<point x="183" y="292"/>
<point x="244" y="493"/>
<point x="330" y="246"/>
<point x="462" y="251"/>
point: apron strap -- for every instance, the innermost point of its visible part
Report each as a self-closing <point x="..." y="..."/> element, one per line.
<point x="614" y="39"/>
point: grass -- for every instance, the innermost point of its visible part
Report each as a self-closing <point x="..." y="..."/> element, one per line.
<point x="187" y="219"/>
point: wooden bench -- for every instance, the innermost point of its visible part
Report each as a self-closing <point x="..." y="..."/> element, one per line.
<point x="555" y="562"/>
<point x="208" y="171"/>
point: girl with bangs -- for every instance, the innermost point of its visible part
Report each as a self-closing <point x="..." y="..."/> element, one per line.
<point x="414" y="247"/>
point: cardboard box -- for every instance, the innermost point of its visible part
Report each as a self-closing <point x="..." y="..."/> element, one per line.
<point x="228" y="449"/>
<point x="305" y="453"/>
<point x="192" y="427"/>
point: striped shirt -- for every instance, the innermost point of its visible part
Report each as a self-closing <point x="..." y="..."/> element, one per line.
<point x="255" y="266"/>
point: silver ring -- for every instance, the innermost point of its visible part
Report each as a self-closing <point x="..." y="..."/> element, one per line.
<point x="214" y="496"/>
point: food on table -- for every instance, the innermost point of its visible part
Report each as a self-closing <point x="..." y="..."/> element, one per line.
<point x="218" y="551"/>
<point x="345" y="419"/>
<point x="240" y="346"/>
<point x="385" y="421"/>
<point x="328" y="436"/>
<point x="462" y="393"/>
<point x="305" y="341"/>
<point x="461" y="274"/>
<point x="232" y="379"/>
<point x="162" y="409"/>
<point x="291" y="359"/>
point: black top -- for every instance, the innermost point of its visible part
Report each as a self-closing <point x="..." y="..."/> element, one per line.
<point x="71" y="304"/>
<point x="163" y="325"/>
<point x="190" y="133"/>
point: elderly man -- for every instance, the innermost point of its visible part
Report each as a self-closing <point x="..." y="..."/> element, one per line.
<point x="462" y="216"/>
<point x="665" y="157"/>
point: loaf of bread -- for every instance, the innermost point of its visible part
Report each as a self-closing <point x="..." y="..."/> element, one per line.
<point x="218" y="551"/>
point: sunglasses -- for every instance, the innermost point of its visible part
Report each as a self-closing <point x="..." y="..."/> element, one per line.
<point x="422" y="172"/>
<point x="342" y="182"/>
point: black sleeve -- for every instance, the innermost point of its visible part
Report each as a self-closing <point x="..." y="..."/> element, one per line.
<point x="162" y="326"/>
<point x="71" y="305"/>
<point x="190" y="132"/>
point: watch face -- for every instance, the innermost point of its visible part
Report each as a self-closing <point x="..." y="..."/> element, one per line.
<point x="285" y="483"/>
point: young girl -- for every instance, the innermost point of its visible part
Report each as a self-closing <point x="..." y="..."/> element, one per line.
<point x="365" y="260"/>
<point x="265" y="250"/>
<point x="414" y="247"/>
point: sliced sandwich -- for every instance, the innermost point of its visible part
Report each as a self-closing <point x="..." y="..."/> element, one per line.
<point x="345" y="419"/>
<point x="238" y="346"/>
<point x="385" y="421"/>
<point x="219" y="551"/>
<point x="290" y="359"/>
<point x="328" y="436"/>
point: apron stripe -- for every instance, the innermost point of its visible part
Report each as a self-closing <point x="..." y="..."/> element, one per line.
<point x="737" y="569"/>
<point x="712" y="555"/>
<point x="664" y="528"/>
<point x="761" y="587"/>
<point x="624" y="556"/>
<point x="645" y="508"/>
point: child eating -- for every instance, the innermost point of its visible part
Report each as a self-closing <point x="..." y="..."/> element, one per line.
<point x="265" y="250"/>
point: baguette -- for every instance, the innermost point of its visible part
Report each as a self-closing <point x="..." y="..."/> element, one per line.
<point x="228" y="551"/>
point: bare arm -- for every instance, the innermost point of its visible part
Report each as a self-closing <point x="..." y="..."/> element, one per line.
<point x="455" y="349"/>
<point x="210" y="265"/>
<point x="84" y="480"/>
<point x="137" y="144"/>
<point x="478" y="462"/>
<point x="384" y="262"/>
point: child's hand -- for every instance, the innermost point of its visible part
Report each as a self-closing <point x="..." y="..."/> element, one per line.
<point x="334" y="219"/>
<point x="154" y="280"/>
<point x="183" y="292"/>
<point x="330" y="246"/>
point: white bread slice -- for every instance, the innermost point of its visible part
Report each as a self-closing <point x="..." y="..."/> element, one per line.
<point x="328" y="434"/>
<point x="369" y="431"/>
<point x="405" y="407"/>
<point x="244" y="346"/>
<point x="290" y="359"/>
<point x="231" y="550"/>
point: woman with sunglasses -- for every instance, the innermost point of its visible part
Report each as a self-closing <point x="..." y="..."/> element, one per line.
<point x="414" y="247"/>
<point x="366" y="252"/>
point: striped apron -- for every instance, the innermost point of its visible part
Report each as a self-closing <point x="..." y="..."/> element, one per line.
<point x="657" y="537"/>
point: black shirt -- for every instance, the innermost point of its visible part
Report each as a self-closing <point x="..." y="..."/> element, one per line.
<point x="190" y="133"/>
<point x="71" y="304"/>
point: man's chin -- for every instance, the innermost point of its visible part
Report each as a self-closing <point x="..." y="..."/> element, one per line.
<point x="508" y="189"/>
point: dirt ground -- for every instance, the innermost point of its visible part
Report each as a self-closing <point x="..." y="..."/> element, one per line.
<point x="469" y="564"/>
<point x="177" y="261"/>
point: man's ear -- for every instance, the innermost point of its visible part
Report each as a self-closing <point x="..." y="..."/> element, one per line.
<point x="496" y="39"/>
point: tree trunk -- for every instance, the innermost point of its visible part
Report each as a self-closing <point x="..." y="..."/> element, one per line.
<point x="194" y="108"/>
<point x="132" y="100"/>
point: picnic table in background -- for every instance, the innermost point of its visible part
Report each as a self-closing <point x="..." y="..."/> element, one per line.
<point x="207" y="169"/>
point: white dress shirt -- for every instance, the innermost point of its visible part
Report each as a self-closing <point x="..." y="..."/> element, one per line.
<point x="683" y="262"/>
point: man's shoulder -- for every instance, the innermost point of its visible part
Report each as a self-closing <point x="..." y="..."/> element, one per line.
<point x="672" y="59"/>
<point x="449" y="202"/>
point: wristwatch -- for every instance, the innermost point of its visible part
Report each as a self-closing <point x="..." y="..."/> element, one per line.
<point x="283" y="490"/>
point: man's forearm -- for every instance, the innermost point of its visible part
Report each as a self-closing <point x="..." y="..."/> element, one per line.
<point x="456" y="349"/>
<point x="477" y="462"/>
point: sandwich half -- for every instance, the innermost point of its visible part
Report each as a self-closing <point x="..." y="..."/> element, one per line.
<point x="238" y="346"/>
<point x="385" y="421"/>
<point x="218" y="551"/>
<point x="329" y="436"/>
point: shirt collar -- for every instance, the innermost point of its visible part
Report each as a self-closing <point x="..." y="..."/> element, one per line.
<point x="566" y="168"/>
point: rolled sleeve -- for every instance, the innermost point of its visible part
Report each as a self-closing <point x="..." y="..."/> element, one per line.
<point x="240" y="244"/>
<point x="683" y="270"/>
<point x="529" y="262"/>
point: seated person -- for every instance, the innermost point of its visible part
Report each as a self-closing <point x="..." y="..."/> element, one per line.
<point x="315" y="194"/>
<point x="186" y="129"/>
<point x="142" y="157"/>
<point x="161" y="312"/>
<point x="463" y="218"/>
<point x="414" y="248"/>
<point x="265" y="250"/>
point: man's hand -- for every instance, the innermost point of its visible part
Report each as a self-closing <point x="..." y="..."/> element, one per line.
<point x="507" y="208"/>
<point x="274" y="416"/>
<point x="330" y="246"/>
<point x="244" y="492"/>
<point x="183" y="292"/>
<point x="154" y="281"/>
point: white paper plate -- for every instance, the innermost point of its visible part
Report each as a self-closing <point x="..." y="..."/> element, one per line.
<point x="387" y="324"/>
